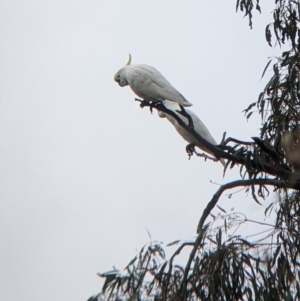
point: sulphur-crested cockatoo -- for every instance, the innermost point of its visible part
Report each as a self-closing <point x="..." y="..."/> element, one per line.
<point x="148" y="83"/>
<point x="199" y="126"/>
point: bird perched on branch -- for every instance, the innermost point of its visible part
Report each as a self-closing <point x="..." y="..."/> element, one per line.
<point x="149" y="84"/>
<point x="199" y="127"/>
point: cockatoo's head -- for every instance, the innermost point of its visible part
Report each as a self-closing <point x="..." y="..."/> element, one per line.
<point x="120" y="77"/>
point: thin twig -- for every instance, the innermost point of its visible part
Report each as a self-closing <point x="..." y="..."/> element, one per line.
<point x="235" y="184"/>
<point x="230" y="139"/>
<point x="203" y="155"/>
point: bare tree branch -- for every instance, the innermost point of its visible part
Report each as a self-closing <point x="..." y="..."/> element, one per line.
<point x="235" y="184"/>
<point x="230" y="139"/>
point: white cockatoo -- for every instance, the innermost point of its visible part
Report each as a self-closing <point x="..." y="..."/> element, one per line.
<point x="148" y="83"/>
<point x="199" y="126"/>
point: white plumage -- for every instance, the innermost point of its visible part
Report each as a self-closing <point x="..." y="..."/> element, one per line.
<point x="149" y="84"/>
<point x="199" y="126"/>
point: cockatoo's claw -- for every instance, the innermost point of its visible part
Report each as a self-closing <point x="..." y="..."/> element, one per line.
<point x="190" y="149"/>
<point x="139" y="100"/>
<point x="150" y="104"/>
<point x="186" y="115"/>
<point x="144" y="103"/>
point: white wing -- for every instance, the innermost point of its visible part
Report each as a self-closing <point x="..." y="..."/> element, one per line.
<point x="199" y="127"/>
<point x="150" y="84"/>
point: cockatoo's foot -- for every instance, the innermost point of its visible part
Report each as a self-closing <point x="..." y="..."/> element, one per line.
<point x="186" y="115"/>
<point x="143" y="102"/>
<point x="147" y="103"/>
<point x="155" y="104"/>
<point x="190" y="149"/>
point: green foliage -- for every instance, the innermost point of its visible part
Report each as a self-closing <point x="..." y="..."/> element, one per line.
<point x="279" y="103"/>
<point x="247" y="7"/>
<point x="221" y="264"/>
<point x="225" y="267"/>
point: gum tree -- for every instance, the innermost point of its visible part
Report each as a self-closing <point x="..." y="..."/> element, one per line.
<point x="222" y="265"/>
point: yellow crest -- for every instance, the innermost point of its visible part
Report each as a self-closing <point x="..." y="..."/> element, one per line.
<point x="129" y="60"/>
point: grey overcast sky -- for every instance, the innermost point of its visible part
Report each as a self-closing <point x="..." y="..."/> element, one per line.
<point x="84" y="171"/>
